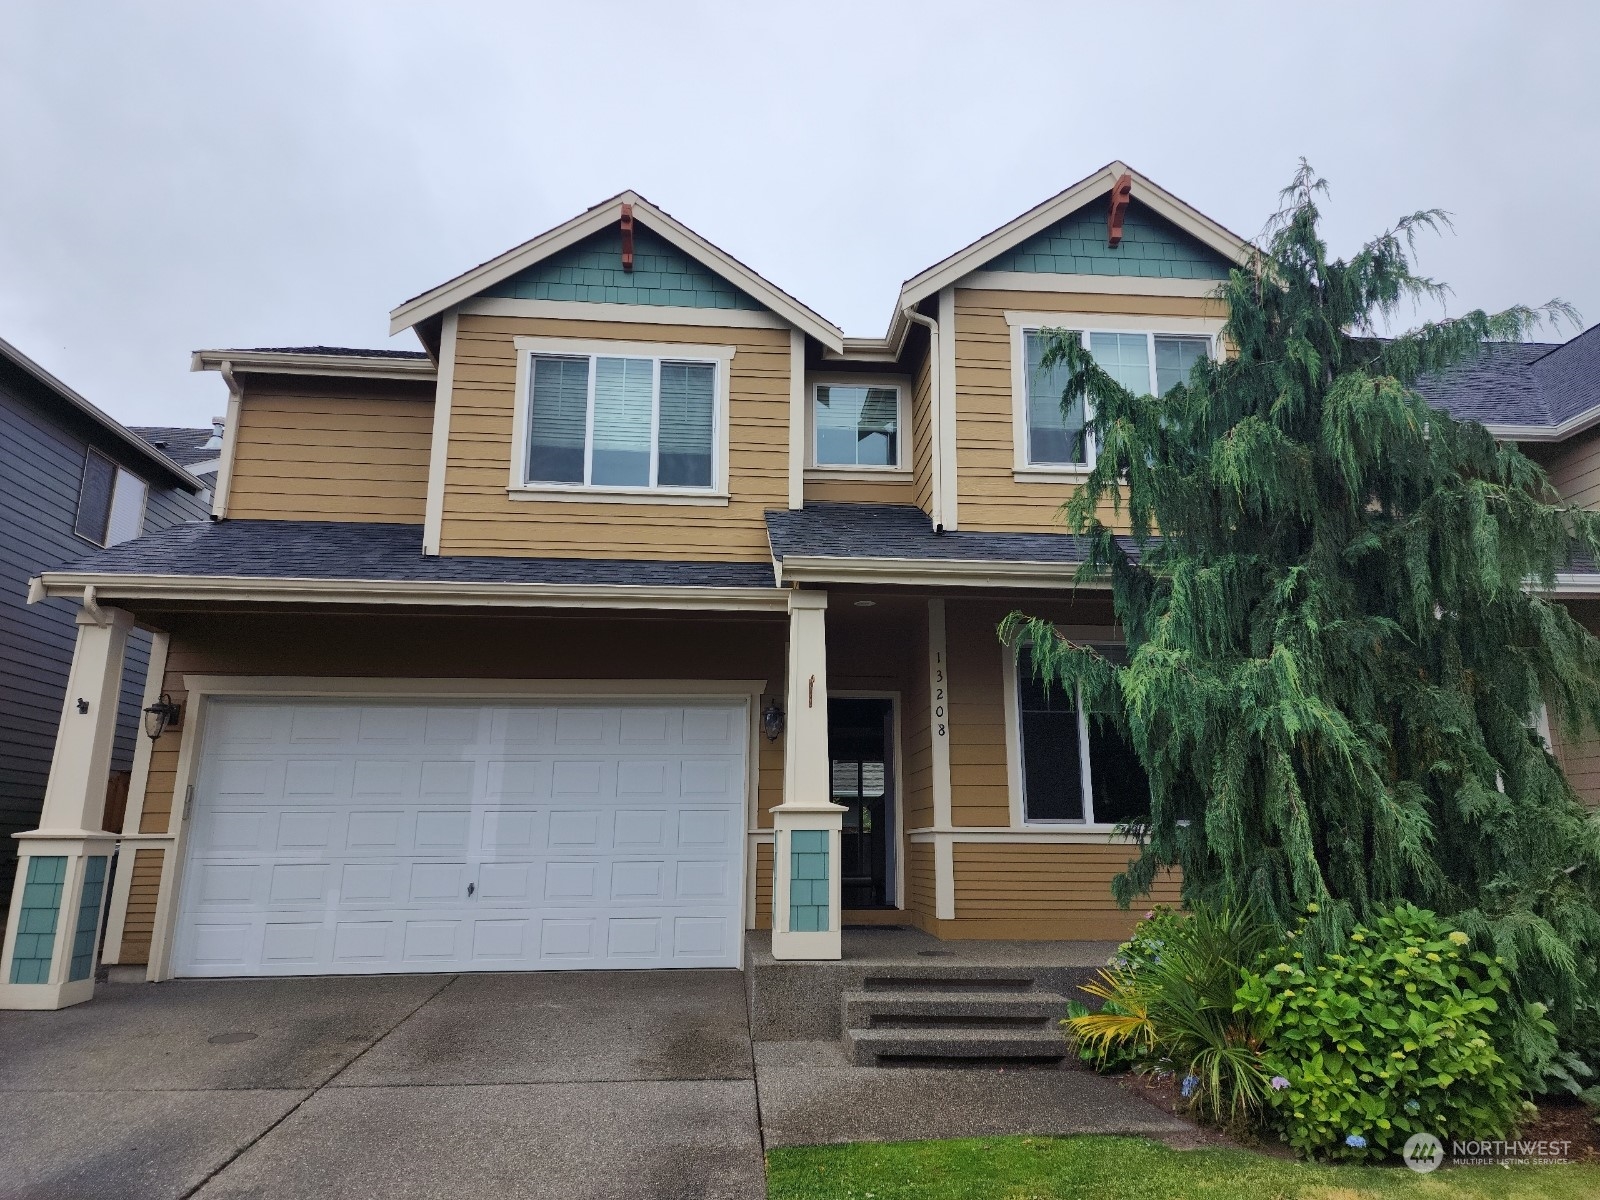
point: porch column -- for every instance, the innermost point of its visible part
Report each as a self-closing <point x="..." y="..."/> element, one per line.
<point x="806" y="826"/>
<point x="48" y="960"/>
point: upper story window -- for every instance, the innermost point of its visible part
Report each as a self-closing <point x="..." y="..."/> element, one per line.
<point x="856" y="425"/>
<point x="620" y="418"/>
<point x="110" y="502"/>
<point x="1074" y="766"/>
<point x="1147" y="363"/>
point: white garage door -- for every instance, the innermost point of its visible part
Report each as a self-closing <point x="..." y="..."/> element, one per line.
<point x="341" y="838"/>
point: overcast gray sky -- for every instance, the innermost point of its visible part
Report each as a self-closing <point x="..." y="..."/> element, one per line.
<point x="176" y="176"/>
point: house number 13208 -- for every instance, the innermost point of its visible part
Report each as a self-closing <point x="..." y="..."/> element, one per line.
<point x="938" y="692"/>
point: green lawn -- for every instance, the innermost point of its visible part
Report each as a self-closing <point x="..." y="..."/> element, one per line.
<point x="1113" y="1168"/>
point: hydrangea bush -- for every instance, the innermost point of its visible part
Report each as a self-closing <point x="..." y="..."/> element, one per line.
<point x="1400" y="1032"/>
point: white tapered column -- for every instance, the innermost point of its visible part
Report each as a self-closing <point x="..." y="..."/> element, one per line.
<point x="48" y="958"/>
<point x="806" y="826"/>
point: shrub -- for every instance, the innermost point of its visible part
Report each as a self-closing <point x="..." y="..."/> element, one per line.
<point x="1149" y="938"/>
<point x="1395" y="1031"/>
<point x="1172" y="1007"/>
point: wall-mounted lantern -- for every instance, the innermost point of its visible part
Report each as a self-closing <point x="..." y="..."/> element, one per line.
<point x="772" y="721"/>
<point x="161" y="716"/>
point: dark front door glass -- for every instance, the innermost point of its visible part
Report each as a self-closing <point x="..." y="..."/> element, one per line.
<point x="863" y="783"/>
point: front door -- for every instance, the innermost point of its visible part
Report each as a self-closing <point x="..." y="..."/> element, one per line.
<point x="860" y="734"/>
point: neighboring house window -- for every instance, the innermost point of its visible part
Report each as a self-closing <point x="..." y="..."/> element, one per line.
<point x="1075" y="765"/>
<point x="630" y="422"/>
<point x="856" y="425"/>
<point x="110" y="502"/>
<point x="1144" y="363"/>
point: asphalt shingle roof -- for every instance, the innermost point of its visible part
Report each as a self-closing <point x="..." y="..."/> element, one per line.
<point x="360" y="551"/>
<point x="1522" y="383"/>
<point x="179" y="443"/>
<point x="335" y="351"/>
<point x="905" y="531"/>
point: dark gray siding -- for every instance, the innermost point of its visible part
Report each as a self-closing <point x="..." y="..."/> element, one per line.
<point x="42" y="446"/>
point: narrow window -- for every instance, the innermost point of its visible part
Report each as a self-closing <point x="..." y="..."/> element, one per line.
<point x="688" y="406"/>
<point x="1176" y="357"/>
<point x="94" y="497"/>
<point x="558" y="415"/>
<point x="857" y="426"/>
<point x="1054" y="438"/>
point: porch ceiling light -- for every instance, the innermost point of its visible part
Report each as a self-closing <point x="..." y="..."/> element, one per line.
<point x="772" y="721"/>
<point x="164" y="714"/>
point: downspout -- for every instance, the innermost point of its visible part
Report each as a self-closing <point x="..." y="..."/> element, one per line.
<point x="935" y="457"/>
<point x="230" y="439"/>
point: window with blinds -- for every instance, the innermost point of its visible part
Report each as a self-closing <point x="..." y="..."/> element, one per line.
<point x="621" y="422"/>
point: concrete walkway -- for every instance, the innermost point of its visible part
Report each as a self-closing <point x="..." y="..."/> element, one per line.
<point x="571" y="1085"/>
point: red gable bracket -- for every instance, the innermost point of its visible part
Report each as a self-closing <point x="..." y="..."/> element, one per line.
<point x="627" y="237"/>
<point x="1120" y="191"/>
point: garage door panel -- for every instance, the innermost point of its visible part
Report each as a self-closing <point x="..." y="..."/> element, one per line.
<point x="344" y="838"/>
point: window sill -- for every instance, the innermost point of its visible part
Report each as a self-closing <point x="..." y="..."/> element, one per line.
<point x="860" y="474"/>
<point x="1050" y="474"/>
<point x="617" y="496"/>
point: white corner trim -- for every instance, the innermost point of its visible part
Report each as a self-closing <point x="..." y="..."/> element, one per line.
<point x="138" y="784"/>
<point x="798" y="425"/>
<point x="518" y="488"/>
<point x="1092" y="285"/>
<point x="632" y="314"/>
<point x="946" y="401"/>
<point x="439" y="446"/>
<point x="944" y="864"/>
<point x="230" y="442"/>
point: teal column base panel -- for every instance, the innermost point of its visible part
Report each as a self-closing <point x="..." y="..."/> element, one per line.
<point x="808" y="881"/>
<point x="94" y="883"/>
<point x="36" y="920"/>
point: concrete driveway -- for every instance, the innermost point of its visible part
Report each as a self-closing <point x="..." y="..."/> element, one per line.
<point x="582" y="1084"/>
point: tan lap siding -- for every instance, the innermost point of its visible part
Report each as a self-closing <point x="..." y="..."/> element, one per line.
<point x="340" y="452"/>
<point x="763" y="870"/>
<point x="922" y="436"/>
<point x="1574" y="468"/>
<point x="920" y="882"/>
<point x="480" y="517"/>
<point x="989" y="497"/>
<point x="1580" y="760"/>
<point x="139" y="925"/>
<point x="860" y="491"/>
<point x="1054" y="891"/>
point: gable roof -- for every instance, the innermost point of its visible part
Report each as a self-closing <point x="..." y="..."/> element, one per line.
<point x="130" y="440"/>
<point x="1525" y="391"/>
<point x="1041" y="217"/>
<point x="603" y="215"/>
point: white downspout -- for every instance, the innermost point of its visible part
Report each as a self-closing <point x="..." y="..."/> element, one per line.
<point x="935" y="455"/>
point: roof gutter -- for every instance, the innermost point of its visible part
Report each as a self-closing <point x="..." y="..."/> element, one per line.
<point x="953" y="572"/>
<point x="268" y="362"/>
<point x="108" y="589"/>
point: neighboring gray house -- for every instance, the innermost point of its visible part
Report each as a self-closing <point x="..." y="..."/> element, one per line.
<point x="71" y="479"/>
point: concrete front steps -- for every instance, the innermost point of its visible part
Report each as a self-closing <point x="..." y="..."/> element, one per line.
<point x="953" y="1018"/>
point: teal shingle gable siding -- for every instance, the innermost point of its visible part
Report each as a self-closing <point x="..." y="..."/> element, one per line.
<point x="591" y="271"/>
<point x="1152" y="248"/>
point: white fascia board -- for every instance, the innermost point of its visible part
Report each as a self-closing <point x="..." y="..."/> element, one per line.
<point x="464" y="287"/>
<point x="917" y="571"/>
<point x="224" y="588"/>
<point x="1574" y="584"/>
<point x="1035" y="220"/>
<point x="278" y="363"/>
<point x="1546" y="433"/>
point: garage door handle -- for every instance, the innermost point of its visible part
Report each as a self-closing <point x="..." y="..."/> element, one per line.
<point x="471" y="887"/>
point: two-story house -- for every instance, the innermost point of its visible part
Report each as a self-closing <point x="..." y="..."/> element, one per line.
<point x="639" y="609"/>
<point x="71" y="479"/>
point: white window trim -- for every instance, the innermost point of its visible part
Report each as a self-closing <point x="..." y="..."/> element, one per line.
<point x="1022" y="323"/>
<point x="518" y="487"/>
<point x="902" y="415"/>
<point x="117" y="473"/>
<point x="1015" y="783"/>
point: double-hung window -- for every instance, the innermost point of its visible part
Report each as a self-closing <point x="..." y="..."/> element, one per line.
<point x="110" y="502"/>
<point x="856" y="425"/>
<point x="1075" y="765"/>
<point x="1147" y="364"/>
<point x="632" y="422"/>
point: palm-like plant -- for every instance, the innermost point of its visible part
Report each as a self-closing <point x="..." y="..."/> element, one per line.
<point x="1177" y="1011"/>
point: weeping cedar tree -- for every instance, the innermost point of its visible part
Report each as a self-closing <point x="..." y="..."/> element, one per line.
<point x="1337" y="643"/>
